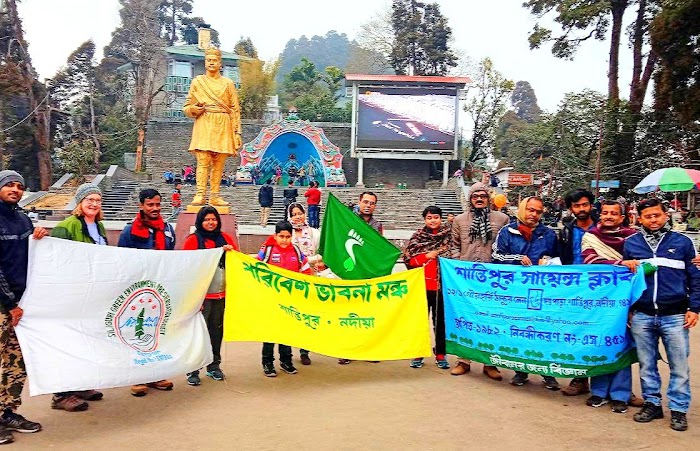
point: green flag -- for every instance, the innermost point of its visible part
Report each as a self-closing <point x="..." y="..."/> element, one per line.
<point x="351" y="248"/>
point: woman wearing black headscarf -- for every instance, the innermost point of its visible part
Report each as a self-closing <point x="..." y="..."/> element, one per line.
<point x="208" y="235"/>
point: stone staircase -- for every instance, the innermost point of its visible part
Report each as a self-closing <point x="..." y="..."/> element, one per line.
<point x="396" y="208"/>
<point x="119" y="199"/>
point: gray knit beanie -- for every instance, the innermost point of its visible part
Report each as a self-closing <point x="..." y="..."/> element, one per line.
<point x="85" y="190"/>
<point x="478" y="186"/>
<point x="8" y="176"/>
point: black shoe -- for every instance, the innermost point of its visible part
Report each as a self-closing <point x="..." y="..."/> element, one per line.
<point x="618" y="406"/>
<point x="305" y="360"/>
<point x="288" y="368"/>
<point x="216" y="374"/>
<point x="16" y="422"/>
<point x="269" y="370"/>
<point x="596" y="401"/>
<point x="519" y="379"/>
<point x="193" y="378"/>
<point x="649" y="413"/>
<point x="550" y="383"/>
<point x="5" y="435"/>
<point x="678" y="421"/>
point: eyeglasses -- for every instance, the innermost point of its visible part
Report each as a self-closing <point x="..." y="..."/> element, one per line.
<point x="480" y="196"/>
<point x="93" y="201"/>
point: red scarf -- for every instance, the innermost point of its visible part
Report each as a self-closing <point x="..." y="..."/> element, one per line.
<point x="141" y="228"/>
<point x="525" y="231"/>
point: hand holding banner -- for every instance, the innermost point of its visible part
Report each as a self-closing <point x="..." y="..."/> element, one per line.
<point x="375" y="319"/>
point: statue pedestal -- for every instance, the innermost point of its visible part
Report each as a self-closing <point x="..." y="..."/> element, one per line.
<point x="195" y="209"/>
<point x="185" y="225"/>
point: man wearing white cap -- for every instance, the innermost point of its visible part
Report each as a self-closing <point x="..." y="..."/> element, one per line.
<point x="15" y="229"/>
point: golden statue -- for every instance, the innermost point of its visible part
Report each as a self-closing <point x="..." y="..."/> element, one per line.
<point x="216" y="135"/>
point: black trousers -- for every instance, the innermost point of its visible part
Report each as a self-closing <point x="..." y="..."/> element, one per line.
<point x="268" y="353"/>
<point x="437" y="311"/>
<point x="214" y="317"/>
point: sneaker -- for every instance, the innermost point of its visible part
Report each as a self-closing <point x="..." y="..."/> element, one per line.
<point x="269" y="370"/>
<point x="460" y="368"/>
<point x="344" y="361"/>
<point x="442" y="363"/>
<point x="161" y="385"/>
<point x="649" y="413"/>
<point x="550" y="383"/>
<point x="193" y="378"/>
<point x="416" y="363"/>
<point x="678" y="421"/>
<point x="519" y="379"/>
<point x="69" y="403"/>
<point x="596" y="401"/>
<point x="618" y="406"/>
<point x="216" y="374"/>
<point x="288" y="368"/>
<point x="139" y="390"/>
<point x="305" y="360"/>
<point x="16" y="422"/>
<point x="89" y="395"/>
<point x="576" y="387"/>
<point x="5" y="435"/>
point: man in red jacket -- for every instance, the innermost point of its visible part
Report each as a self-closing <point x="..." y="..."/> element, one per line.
<point x="313" y="200"/>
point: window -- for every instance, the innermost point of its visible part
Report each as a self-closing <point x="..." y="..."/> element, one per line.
<point x="233" y="74"/>
<point x="180" y="69"/>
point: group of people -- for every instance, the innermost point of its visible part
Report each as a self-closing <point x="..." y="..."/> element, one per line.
<point x="666" y="309"/>
<point x="289" y="196"/>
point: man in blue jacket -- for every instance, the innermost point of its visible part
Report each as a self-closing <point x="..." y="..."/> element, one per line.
<point x="666" y="309"/>
<point x="149" y="231"/>
<point x="525" y="241"/>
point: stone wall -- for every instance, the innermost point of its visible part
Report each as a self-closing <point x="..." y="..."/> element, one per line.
<point x="167" y="142"/>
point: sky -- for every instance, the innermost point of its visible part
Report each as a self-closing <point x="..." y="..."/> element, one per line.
<point x="485" y="28"/>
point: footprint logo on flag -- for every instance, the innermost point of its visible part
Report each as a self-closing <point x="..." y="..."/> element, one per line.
<point x="354" y="239"/>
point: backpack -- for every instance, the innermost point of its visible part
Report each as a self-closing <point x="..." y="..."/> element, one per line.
<point x="268" y="251"/>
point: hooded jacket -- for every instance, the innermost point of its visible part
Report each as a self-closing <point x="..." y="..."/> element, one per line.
<point x="463" y="248"/>
<point x="511" y="245"/>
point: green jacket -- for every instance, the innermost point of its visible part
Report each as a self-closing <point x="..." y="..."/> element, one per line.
<point x="74" y="228"/>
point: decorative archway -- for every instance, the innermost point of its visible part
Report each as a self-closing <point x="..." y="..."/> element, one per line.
<point x="291" y="145"/>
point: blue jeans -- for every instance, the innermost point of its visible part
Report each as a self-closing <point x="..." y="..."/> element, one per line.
<point x="646" y="331"/>
<point x="616" y="386"/>
<point x="313" y="216"/>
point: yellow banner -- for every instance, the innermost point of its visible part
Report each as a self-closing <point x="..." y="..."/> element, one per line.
<point x="385" y="318"/>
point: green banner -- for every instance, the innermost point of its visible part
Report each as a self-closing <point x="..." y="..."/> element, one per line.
<point x="351" y="248"/>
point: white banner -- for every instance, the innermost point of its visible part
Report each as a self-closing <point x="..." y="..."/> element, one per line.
<point x="102" y="316"/>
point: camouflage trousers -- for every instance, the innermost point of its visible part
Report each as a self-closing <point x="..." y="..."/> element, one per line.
<point x="13" y="372"/>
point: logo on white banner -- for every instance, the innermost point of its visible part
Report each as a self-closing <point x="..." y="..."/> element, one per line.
<point x="139" y="316"/>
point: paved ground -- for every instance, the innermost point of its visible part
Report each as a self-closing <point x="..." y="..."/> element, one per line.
<point x="359" y="406"/>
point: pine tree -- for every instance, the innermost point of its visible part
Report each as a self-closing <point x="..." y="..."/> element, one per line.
<point x="138" y="328"/>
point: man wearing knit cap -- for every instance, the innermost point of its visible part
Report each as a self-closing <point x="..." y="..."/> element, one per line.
<point x="473" y="233"/>
<point x="15" y="229"/>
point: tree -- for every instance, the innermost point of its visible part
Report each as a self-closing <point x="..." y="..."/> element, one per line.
<point x="332" y="49"/>
<point x="674" y="36"/>
<point x="190" y="35"/>
<point x="257" y="84"/>
<point x="315" y="94"/>
<point x="245" y="47"/>
<point x="486" y="103"/>
<point x="369" y="53"/>
<point x="138" y="42"/>
<point x="73" y="89"/>
<point x="171" y="15"/>
<point x="77" y="157"/>
<point x="420" y="45"/>
<point x="24" y="111"/>
<point x="524" y="102"/>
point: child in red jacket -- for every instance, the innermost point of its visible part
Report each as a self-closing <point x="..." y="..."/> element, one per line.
<point x="423" y="249"/>
<point x="278" y="250"/>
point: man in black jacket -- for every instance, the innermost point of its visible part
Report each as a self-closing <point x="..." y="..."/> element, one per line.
<point x="580" y="204"/>
<point x="15" y="229"/>
<point x="265" y="198"/>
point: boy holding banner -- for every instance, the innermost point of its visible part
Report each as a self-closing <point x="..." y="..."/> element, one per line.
<point x="666" y="309"/>
<point x="278" y="250"/>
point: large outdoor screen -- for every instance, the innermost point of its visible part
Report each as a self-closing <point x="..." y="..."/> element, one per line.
<point x="406" y="118"/>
